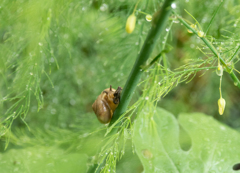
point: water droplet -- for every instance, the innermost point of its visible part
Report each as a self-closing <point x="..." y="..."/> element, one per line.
<point x="53" y="111"/>
<point x="175" y="21"/>
<point x="222" y="128"/>
<point x="72" y="102"/>
<point x="167" y="29"/>
<point x="207" y="139"/>
<point x="192" y="46"/>
<point x="147" y="154"/>
<point x="173" y="5"/>
<point x="55" y="100"/>
<point x="104" y="7"/>
<point x="219" y="71"/>
<point x="65" y="36"/>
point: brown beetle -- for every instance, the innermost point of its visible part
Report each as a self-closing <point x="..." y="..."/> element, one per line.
<point x="106" y="104"/>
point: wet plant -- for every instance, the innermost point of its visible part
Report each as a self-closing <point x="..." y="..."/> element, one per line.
<point x="178" y="65"/>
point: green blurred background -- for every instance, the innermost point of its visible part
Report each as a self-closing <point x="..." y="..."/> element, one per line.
<point x="67" y="52"/>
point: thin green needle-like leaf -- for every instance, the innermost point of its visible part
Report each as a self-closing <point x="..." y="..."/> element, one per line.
<point x="213" y="16"/>
<point x="194" y="19"/>
<point x="235" y="54"/>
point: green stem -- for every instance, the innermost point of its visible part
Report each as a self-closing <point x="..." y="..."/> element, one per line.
<point x="158" y="25"/>
<point x="142" y="12"/>
<point x="214" y="51"/>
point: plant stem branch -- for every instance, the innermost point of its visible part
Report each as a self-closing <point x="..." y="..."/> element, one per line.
<point x="158" y="24"/>
<point x="214" y="51"/>
<point x="235" y="53"/>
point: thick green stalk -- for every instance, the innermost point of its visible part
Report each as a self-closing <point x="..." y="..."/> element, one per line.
<point x="214" y="51"/>
<point x="158" y="24"/>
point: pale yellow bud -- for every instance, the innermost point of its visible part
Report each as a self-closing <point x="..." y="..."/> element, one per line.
<point x="200" y="33"/>
<point x="130" y="25"/>
<point x="193" y="27"/>
<point x="221" y="105"/>
<point x="149" y="18"/>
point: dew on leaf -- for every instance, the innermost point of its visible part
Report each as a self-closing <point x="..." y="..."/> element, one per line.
<point x="222" y="128"/>
<point x="147" y="154"/>
<point x="173" y="5"/>
<point x="53" y="111"/>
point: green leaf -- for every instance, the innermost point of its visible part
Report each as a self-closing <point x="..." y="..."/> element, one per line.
<point x="42" y="159"/>
<point x="215" y="147"/>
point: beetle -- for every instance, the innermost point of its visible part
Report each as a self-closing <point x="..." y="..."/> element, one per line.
<point x="106" y="103"/>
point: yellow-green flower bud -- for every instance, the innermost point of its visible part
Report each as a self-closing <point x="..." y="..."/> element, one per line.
<point x="130" y="25"/>
<point x="193" y="27"/>
<point x="149" y="18"/>
<point x="221" y="105"/>
<point x="200" y="33"/>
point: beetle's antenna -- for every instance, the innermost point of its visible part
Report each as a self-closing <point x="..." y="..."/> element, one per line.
<point x="110" y="87"/>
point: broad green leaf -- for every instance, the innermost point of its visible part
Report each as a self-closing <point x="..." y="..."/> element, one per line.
<point x="42" y="160"/>
<point x="215" y="147"/>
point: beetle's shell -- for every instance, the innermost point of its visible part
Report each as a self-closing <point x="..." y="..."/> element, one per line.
<point x="104" y="106"/>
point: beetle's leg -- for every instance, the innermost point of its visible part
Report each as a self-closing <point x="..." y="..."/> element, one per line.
<point x="110" y="87"/>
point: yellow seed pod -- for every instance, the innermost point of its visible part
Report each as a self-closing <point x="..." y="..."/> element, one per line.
<point x="221" y="105"/>
<point x="200" y="33"/>
<point x="193" y="26"/>
<point x="130" y="25"/>
<point x="148" y="17"/>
